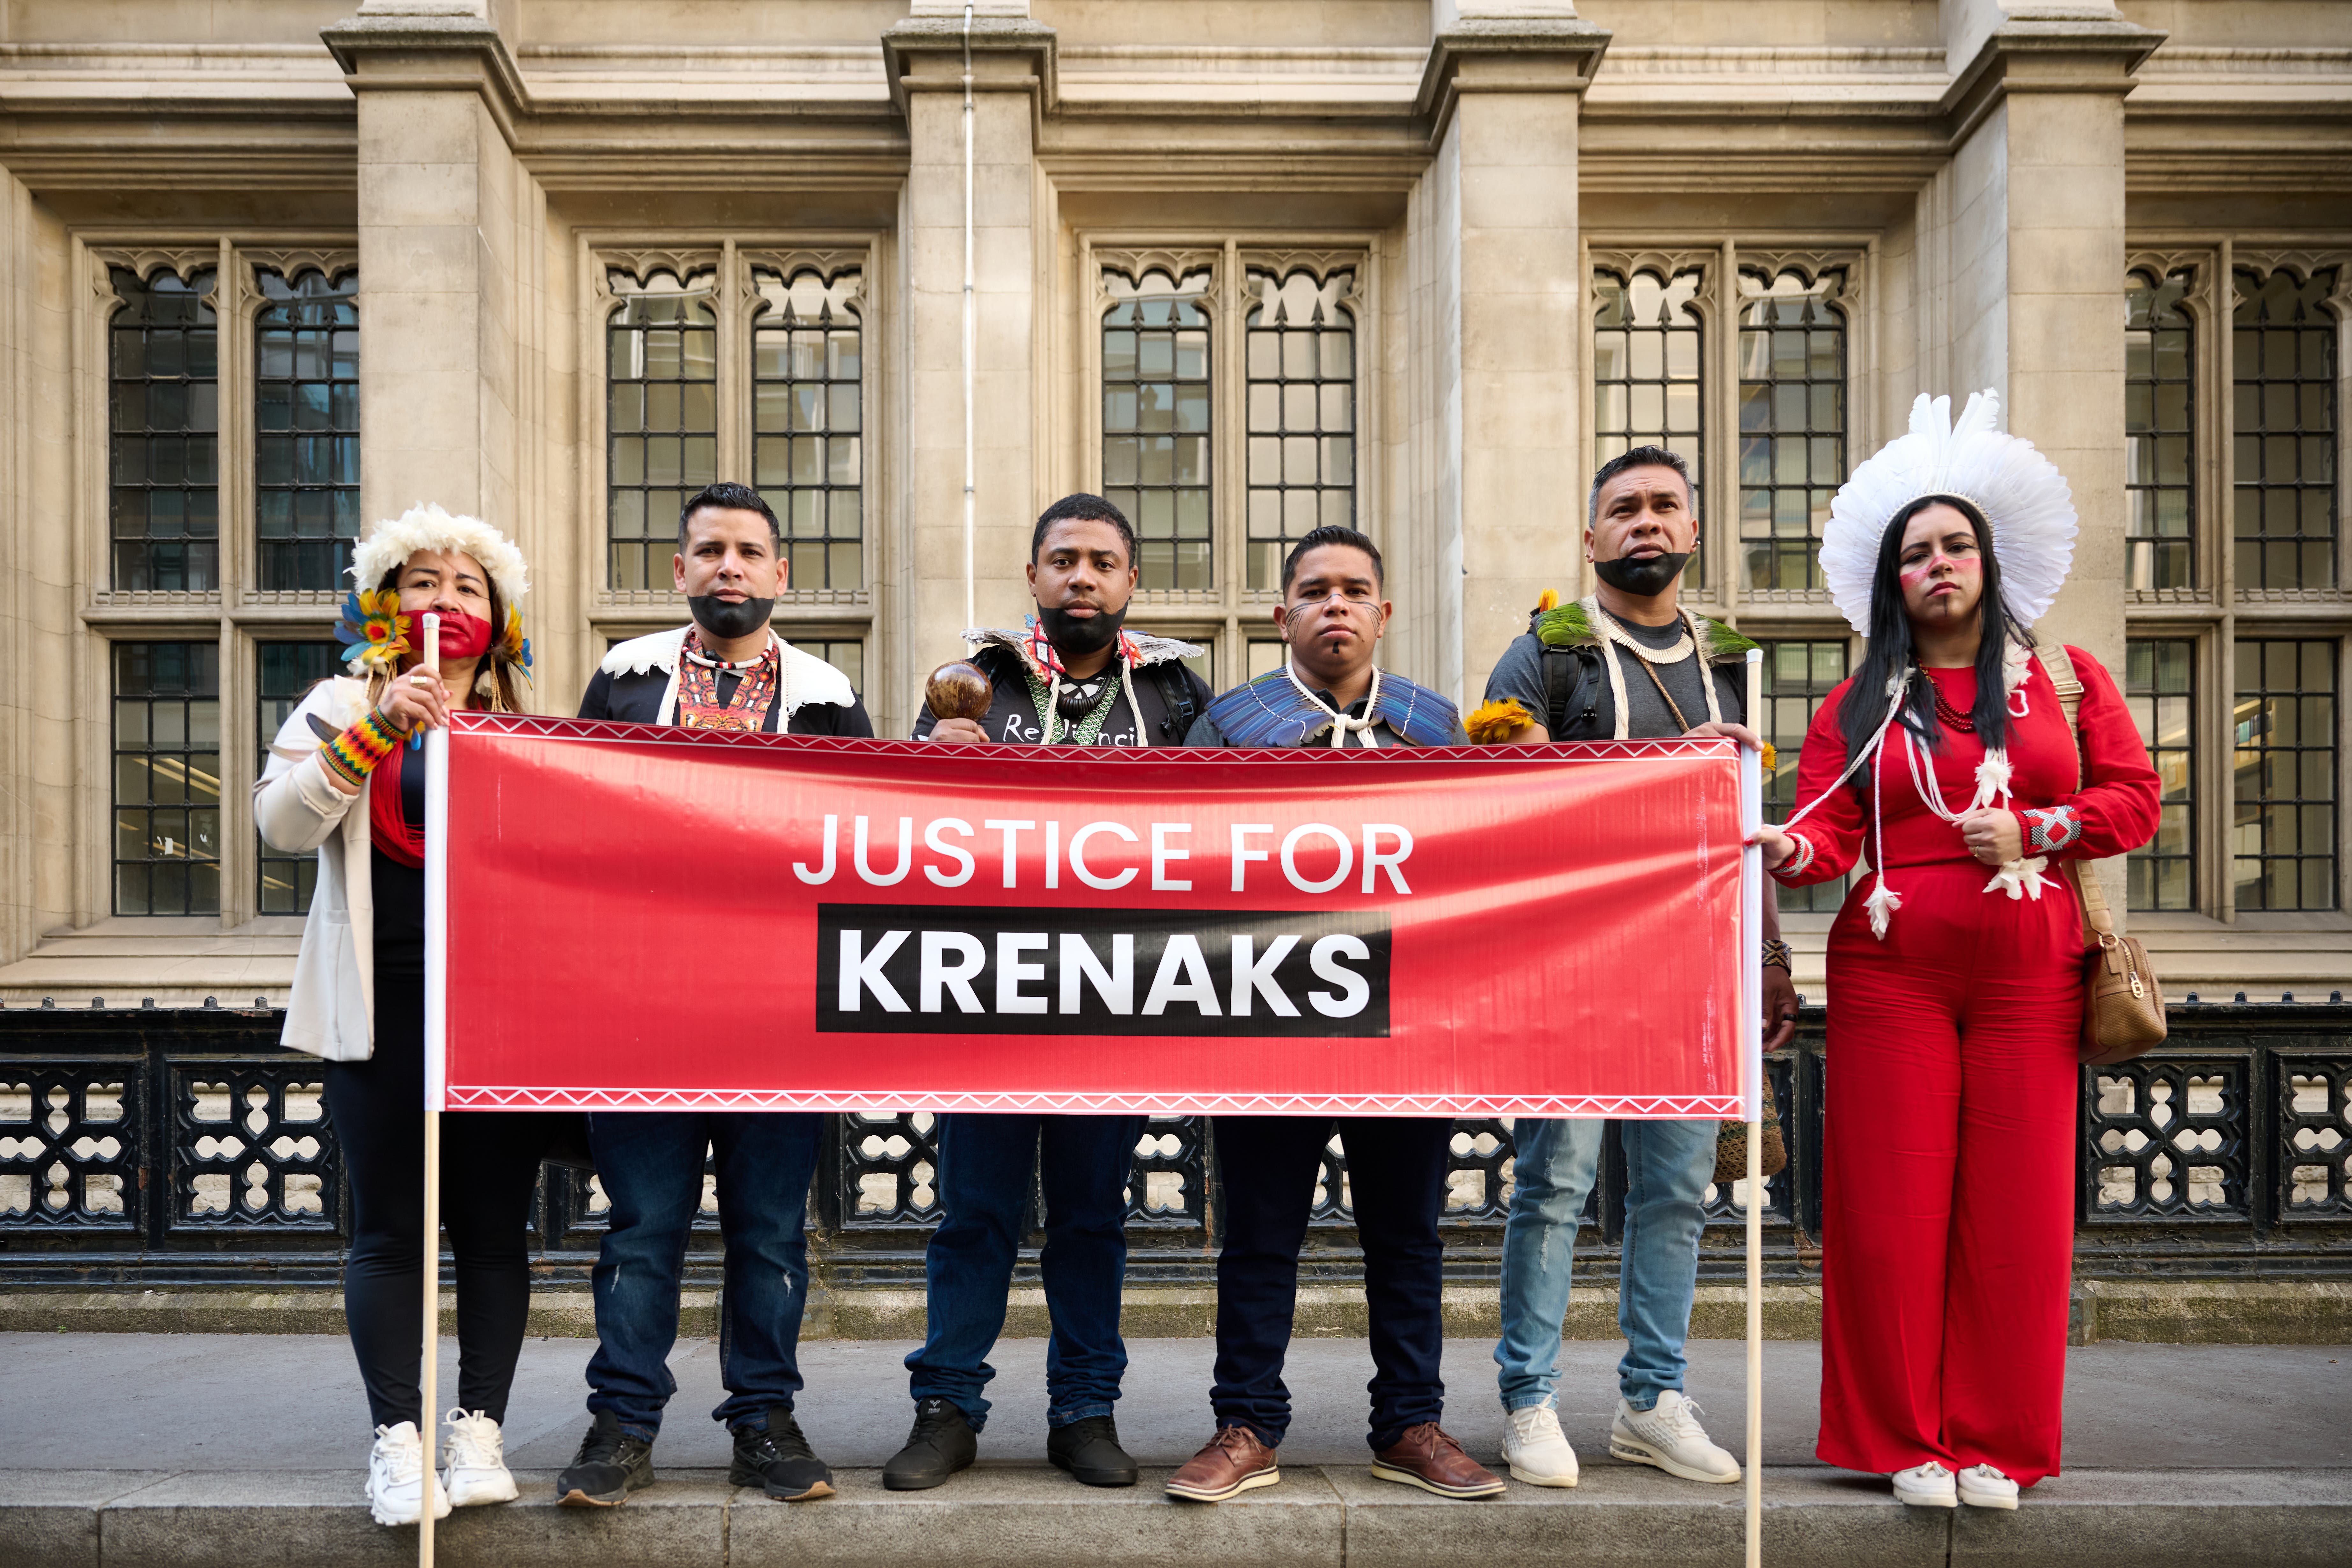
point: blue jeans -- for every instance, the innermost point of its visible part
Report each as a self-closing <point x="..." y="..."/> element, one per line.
<point x="650" y="1163"/>
<point x="1084" y="1165"/>
<point x="1668" y="1165"/>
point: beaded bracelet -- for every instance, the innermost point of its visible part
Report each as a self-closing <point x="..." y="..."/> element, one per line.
<point x="355" y="753"/>
<point x="1776" y="954"/>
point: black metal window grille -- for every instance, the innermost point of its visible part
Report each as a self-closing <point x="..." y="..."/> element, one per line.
<point x="807" y="419"/>
<point x="1648" y="389"/>
<point x="306" y="421"/>
<point x="166" y="778"/>
<point x="2283" y="427"/>
<point x="2159" y="432"/>
<point x="846" y="654"/>
<point x="2169" y="1139"/>
<point x="661" y="400"/>
<point x="165" y="1148"/>
<point x="2284" y="838"/>
<point x="1300" y="362"/>
<point x="1155" y="422"/>
<point x="164" y="410"/>
<point x="1791" y="424"/>
<point x="1797" y="676"/>
<point x="283" y="883"/>
<point x="2160" y="687"/>
<point x="2315" y="1137"/>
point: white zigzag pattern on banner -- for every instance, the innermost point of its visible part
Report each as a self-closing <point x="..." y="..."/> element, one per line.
<point x="1644" y="1106"/>
<point x="553" y="728"/>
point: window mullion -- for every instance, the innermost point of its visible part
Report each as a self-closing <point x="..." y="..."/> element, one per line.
<point x="734" y="387"/>
<point x="1230" y="415"/>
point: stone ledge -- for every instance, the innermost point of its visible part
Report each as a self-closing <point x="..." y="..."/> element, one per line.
<point x="2275" y="1312"/>
<point x="1031" y="1517"/>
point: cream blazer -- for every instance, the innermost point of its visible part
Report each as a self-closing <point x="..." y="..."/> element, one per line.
<point x="332" y="1011"/>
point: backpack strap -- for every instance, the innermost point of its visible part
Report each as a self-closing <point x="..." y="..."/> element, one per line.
<point x="2098" y="920"/>
<point x="1176" y="695"/>
<point x="1571" y="689"/>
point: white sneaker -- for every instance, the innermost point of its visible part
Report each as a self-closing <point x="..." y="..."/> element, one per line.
<point x="1534" y="1449"/>
<point x="396" y="1483"/>
<point x="1670" y="1438"/>
<point x="476" y="1457"/>
<point x="1926" y="1486"/>
<point x="1981" y="1486"/>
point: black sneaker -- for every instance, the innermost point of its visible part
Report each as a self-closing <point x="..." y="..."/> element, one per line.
<point x="1089" y="1448"/>
<point x="941" y="1443"/>
<point x="779" y="1461"/>
<point x="612" y="1465"/>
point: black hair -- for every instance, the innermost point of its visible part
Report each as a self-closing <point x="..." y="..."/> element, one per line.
<point x="729" y="497"/>
<point x="1638" y="457"/>
<point x="1317" y="538"/>
<point x="1082" y="508"/>
<point x="1890" y="647"/>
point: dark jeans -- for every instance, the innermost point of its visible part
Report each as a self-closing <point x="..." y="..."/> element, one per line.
<point x="1084" y="1165"/>
<point x="1396" y="1175"/>
<point x="489" y="1161"/>
<point x="650" y="1163"/>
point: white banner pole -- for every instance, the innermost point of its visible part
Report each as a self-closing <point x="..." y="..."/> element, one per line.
<point x="436" y="982"/>
<point x="1751" y="968"/>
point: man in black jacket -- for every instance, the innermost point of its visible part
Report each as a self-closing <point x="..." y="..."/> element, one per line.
<point x="727" y="671"/>
<point x="1072" y="676"/>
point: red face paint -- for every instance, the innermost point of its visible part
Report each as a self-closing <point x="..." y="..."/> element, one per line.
<point x="464" y="635"/>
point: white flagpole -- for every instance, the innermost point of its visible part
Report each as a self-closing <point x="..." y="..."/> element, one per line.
<point x="437" y="981"/>
<point x="1751" y="969"/>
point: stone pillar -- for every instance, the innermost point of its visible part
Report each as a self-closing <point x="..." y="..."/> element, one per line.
<point x="1501" y="445"/>
<point x="1012" y="78"/>
<point x="2035" y="243"/>
<point x="445" y="264"/>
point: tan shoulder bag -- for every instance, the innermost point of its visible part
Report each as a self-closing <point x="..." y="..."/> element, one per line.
<point x="2123" y="1004"/>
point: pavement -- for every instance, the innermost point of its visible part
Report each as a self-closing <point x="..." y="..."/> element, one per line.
<point x="250" y="1450"/>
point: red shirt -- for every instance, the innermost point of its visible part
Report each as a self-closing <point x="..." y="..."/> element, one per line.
<point x="2114" y="810"/>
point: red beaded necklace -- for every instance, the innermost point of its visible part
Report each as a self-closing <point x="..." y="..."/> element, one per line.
<point x="1965" y="723"/>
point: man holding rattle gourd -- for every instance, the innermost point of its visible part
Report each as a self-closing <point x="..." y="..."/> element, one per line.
<point x="1071" y="676"/>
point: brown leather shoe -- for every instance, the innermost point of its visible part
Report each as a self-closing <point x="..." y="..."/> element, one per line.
<point x="1233" y="1463"/>
<point x="1427" y="1457"/>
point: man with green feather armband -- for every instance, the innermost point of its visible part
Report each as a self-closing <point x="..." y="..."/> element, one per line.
<point x="1627" y="662"/>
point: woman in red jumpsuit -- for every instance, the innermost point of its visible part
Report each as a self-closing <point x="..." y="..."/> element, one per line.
<point x="1956" y="996"/>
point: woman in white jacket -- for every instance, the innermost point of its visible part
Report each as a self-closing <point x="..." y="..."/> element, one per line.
<point x="343" y="779"/>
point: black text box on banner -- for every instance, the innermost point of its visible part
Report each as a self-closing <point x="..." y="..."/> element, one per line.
<point x="958" y="970"/>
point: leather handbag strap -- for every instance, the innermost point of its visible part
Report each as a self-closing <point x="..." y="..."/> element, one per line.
<point x="2098" y="920"/>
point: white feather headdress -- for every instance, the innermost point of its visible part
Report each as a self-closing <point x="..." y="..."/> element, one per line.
<point x="429" y="526"/>
<point x="2020" y="492"/>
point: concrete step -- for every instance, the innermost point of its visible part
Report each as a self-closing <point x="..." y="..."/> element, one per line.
<point x="2255" y="1311"/>
<point x="1032" y="1517"/>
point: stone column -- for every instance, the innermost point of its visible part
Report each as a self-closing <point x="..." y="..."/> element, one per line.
<point x="1501" y="449"/>
<point x="443" y="262"/>
<point x="2035" y="245"/>
<point x="1012" y="78"/>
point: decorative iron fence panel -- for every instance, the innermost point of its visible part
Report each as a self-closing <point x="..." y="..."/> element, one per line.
<point x="156" y="1148"/>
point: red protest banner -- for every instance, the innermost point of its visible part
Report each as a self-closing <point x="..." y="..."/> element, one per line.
<point x="653" y="918"/>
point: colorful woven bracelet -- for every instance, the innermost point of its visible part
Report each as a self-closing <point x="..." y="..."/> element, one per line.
<point x="1776" y="954"/>
<point x="355" y="753"/>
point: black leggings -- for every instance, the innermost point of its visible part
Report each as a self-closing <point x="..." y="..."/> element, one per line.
<point x="489" y="1160"/>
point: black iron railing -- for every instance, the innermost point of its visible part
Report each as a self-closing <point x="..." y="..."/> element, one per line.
<point x="156" y="1149"/>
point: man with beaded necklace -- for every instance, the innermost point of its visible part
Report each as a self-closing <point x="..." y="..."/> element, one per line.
<point x="1073" y="676"/>
<point x="1628" y="661"/>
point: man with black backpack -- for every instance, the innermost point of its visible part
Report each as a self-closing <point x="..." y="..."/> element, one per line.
<point x="1073" y="676"/>
<point x="1627" y="662"/>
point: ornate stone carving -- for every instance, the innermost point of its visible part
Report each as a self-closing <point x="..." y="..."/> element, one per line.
<point x="1662" y="262"/>
<point x="1177" y="262"/>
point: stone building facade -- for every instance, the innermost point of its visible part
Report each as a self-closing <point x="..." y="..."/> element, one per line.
<point x="273" y="269"/>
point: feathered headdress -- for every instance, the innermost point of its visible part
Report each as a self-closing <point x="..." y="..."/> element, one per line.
<point x="2017" y="491"/>
<point x="427" y="527"/>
